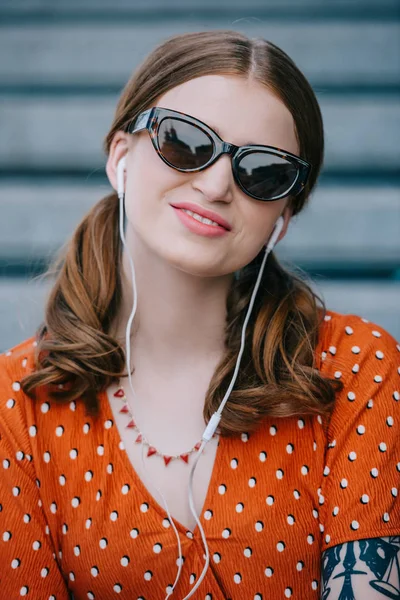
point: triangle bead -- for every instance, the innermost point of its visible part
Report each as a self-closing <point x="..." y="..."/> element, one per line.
<point x="184" y="457"/>
<point x="151" y="451"/>
<point x="119" y="393"/>
<point x="167" y="459"/>
<point x="138" y="439"/>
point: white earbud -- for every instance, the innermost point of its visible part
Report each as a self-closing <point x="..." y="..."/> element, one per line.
<point x="120" y="176"/>
<point x="275" y="234"/>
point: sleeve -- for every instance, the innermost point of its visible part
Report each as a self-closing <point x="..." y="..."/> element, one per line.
<point x="360" y="482"/>
<point x="28" y="565"/>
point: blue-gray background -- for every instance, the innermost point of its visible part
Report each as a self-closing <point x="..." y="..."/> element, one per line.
<point x="63" y="64"/>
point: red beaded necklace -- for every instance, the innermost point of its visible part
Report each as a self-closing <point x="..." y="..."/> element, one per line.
<point x="152" y="450"/>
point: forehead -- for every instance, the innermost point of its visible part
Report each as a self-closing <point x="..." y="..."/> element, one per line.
<point x="241" y="111"/>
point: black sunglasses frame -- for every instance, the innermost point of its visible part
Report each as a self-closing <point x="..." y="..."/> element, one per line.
<point x="152" y="118"/>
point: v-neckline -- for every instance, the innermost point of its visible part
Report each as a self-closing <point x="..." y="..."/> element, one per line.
<point x="105" y="406"/>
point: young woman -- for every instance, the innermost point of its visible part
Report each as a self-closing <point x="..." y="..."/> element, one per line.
<point x="216" y="143"/>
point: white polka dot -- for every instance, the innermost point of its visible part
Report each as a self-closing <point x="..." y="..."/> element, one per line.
<point x="59" y="431"/>
<point x="396" y="395"/>
<point x="36" y="545"/>
<point x="244" y="437"/>
<point x="88" y="476"/>
<point x="348" y="330"/>
<point x="361" y="429"/>
<point x="73" y="453"/>
<point x="32" y="430"/>
<point x="351" y="396"/>
<point x="365" y="498"/>
<point x="94" y="571"/>
<point x="45" y="407"/>
<point x="114" y="515"/>
<point x="304" y="470"/>
<point x="247" y="552"/>
<point x="394" y="492"/>
<point x="374" y="472"/>
<point x="327" y="539"/>
<point x="88" y="523"/>
<point x="10" y="403"/>
<point x="108" y="424"/>
<point x="288" y="593"/>
<point x="270" y="500"/>
<point x="144" y="507"/>
<point x="269" y="572"/>
<point x="290" y="519"/>
<point x="208" y="514"/>
<point x="262" y="456"/>
<point x="332" y="350"/>
<point x="252" y="482"/>
<point x="376" y="334"/>
<point x="314" y="584"/>
<point x="386" y="517"/>
<point x="24" y="590"/>
<point x="382" y="447"/>
<point x="300" y="424"/>
<point x="77" y="550"/>
<point x="378" y="379"/>
<point x="117" y="588"/>
<point x="352" y="456"/>
<point x="86" y="428"/>
<point x="355" y="524"/>
<point x="335" y="511"/>
<point x="326" y="470"/>
<point x="222" y="489"/>
<point x="234" y="463"/>
<point x="75" y="502"/>
<point x="356" y="368"/>
<point x="237" y="578"/>
<point x="125" y="489"/>
<point x="273" y="430"/>
<point x="379" y="354"/>
<point x="344" y="483"/>
<point x="100" y="450"/>
<point x="300" y="566"/>
<point x="355" y="350"/>
<point x="338" y="374"/>
<point x="166" y="523"/>
<point x="72" y="406"/>
<point x="124" y="561"/>
<point x="103" y="543"/>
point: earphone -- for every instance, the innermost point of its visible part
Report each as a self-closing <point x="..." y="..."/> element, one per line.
<point x="216" y="417"/>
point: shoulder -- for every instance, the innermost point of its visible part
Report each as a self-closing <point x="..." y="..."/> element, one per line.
<point x="348" y="343"/>
<point x="15" y="364"/>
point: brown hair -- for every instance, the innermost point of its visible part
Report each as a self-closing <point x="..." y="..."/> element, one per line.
<point x="278" y="375"/>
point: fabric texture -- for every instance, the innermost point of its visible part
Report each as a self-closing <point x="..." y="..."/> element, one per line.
<point x="75" y="517"/>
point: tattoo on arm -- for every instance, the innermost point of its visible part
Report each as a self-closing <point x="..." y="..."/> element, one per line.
<point x="349" y="570"/>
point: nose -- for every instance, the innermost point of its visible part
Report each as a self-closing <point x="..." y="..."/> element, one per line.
<point x="216" y="182"/>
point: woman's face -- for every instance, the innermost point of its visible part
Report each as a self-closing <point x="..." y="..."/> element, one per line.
<point x="242" y="112"/>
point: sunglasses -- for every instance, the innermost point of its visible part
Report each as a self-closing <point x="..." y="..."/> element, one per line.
<point x="188" y="145"/>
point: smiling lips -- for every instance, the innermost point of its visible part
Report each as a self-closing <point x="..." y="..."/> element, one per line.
<point x="199" y="225"/>
<point x="204" y="214"/>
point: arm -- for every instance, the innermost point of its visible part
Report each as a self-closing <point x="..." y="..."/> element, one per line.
<point x="28" y="562"/>
<point x="361" y="570"/>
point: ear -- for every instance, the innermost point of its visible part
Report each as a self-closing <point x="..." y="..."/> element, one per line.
<point x="287" y="215"/>
<point x="118" y="149"/>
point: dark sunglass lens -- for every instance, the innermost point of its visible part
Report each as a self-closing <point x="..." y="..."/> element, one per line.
<point x="266" y="175"/>
<point x="184" y="145"/>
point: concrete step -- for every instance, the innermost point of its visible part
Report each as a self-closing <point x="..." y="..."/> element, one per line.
<point x="22" y="305"/>
<point x="67" y="133"/>
<point x="74" y="54"/>
<point x="63" y="7"/>
<point x="342" y="225"/>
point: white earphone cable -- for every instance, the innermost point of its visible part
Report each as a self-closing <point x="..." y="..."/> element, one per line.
<point x="215" y="419"/>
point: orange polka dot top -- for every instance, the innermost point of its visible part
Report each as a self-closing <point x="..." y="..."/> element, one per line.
<point x="76" y="520"/>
